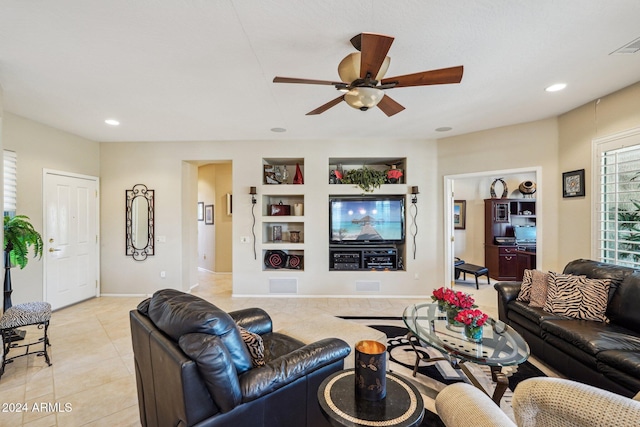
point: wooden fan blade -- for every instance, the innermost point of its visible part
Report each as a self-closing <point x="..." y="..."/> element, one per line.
<point x="356" y="41"/>
<point x="389" y="106"/>
<point x="374" y="48"/>
<point x="306" y="81"/>
<point x="321" y="109"/>
<point x="433" y="77"/>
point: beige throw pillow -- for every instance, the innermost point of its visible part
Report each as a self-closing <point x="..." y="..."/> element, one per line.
<point x="538" y="288"/>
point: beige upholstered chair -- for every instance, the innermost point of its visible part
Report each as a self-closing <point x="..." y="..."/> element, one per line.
<point x="539" y="402"/>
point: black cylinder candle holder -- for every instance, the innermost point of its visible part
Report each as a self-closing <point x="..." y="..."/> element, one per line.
<point x="371" y="370"/>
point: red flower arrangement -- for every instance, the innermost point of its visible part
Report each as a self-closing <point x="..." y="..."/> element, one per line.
<point x="453" y="299"/>
<point x="472" y="318"/>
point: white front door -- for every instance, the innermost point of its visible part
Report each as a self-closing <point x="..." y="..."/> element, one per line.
<point x="71" y="238"/>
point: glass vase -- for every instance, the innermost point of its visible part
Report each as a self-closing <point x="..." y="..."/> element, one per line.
<point x="473" y="333"/>
<point x="452" y="312"/>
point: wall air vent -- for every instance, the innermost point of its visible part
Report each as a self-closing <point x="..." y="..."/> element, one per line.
<point x="283" y="285"/>
<point x="367" y="286"/>
<point x="631" y="47"/>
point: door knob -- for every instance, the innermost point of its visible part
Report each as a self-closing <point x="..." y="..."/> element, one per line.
<point x="54" y="250"/>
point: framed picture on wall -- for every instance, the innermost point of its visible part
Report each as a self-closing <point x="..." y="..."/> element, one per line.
<point x="573" y="183"/>
<point x="208" y="214"/>
<point x="459" y="214"/>
<point x="200" y="211"/>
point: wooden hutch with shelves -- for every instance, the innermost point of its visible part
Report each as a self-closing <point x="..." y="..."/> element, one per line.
<point x="501" y="251"/>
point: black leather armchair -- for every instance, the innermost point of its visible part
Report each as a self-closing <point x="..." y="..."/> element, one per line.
<point x="194" y="369"/>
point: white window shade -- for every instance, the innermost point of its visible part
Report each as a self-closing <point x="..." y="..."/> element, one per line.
<point x="617" y="203"/>
<point x="10" y="180"/>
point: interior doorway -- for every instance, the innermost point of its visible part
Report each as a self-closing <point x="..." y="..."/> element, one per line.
<point x="215" y="216"/>
<point x="482" y="180"/>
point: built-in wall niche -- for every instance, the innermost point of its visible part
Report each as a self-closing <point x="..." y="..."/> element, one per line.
<point x="287" y="205"/>
<point x="282" y="170"/>
<point x="281" y="232"/>
<point x="394" y="167"/>
<point x="283" y="259"/>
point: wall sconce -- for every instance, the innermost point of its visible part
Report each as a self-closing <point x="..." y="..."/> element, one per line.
<point x="253" y="192"/>
<point x="414" y="193"/>
<point x="414" y="214"/>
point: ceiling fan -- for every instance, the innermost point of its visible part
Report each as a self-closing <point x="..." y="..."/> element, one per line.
<point x="363" y="81"/>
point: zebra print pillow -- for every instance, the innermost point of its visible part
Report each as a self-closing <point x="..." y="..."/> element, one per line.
<point x="578" y="297"/>
<point x="255" y="345"/>
<point x="525" y="288"/>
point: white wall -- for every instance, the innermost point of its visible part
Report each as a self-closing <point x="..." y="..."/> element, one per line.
<point x="522" y="146"/>
<point x="157" y="165"/>
<point x="42" y="147"/>
<point x="608" y="115"/>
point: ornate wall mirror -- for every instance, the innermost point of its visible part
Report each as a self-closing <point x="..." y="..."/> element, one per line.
<point x="139" y="222"/>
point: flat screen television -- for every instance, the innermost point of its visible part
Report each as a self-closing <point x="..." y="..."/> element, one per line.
<point x="366" y="220"/>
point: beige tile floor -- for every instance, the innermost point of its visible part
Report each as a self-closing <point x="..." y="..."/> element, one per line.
<point x="92" y="378"/>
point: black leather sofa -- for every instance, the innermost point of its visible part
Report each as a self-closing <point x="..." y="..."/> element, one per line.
<point x="193" y="368"/>
<point x="606" y="355"/>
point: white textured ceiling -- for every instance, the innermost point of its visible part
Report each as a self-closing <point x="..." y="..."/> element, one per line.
<point x="202" y="70"/>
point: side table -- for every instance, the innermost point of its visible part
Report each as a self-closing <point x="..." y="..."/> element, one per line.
<point x="403" y="406"/>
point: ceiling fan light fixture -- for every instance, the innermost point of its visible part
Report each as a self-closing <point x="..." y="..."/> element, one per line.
<point x="349" y="68"/>
<point x="363" y="98"/>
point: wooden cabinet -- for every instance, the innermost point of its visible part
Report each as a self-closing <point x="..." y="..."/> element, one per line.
<point x="501" y="215"/>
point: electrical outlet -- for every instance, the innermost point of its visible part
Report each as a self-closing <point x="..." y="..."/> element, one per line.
<point x="163" y="274"/>
<point x="244" y="239"/>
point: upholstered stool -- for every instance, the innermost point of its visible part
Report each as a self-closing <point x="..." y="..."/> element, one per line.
<point x="30" y="313"/>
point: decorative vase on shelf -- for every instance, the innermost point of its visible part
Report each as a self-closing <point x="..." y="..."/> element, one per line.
<point x="473" y="333"/>
<point x="297" y="178"/>
<point x="452" y="312"/>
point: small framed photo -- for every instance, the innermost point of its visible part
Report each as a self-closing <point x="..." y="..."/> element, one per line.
<point x="459" y="214"/>
<point x="229" y="204"/>
<point x="208" y="214"/>
<point x="573" y="183"/>
<point x="200" y="211"/>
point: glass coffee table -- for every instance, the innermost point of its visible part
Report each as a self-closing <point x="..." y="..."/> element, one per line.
<point x="501" y="345"/>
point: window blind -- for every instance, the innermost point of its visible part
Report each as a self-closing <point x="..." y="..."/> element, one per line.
<point x="617" y="207"/>
<point x="10" y="181"/>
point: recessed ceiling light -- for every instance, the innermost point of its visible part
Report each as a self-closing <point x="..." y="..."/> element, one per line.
<point x="444" y="129"/>
<point x="112" y="122"/>
<point x="278" y="130"/>
<point x="556" y="87"/>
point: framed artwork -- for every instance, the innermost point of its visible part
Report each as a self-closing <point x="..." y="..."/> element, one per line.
<point x="200" y="211"/>
<point x="573" y="183"/>
<point x="459" y="214"/>
<point x="208" y="214"/>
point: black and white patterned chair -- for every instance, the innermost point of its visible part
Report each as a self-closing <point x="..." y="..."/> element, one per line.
<point x="21" y="315"/>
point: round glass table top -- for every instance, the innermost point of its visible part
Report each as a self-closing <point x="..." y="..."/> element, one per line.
<point x="501" y="345"/>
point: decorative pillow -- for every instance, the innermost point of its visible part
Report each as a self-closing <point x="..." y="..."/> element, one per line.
<point x="539" y="281"/>
<point x="255" y="345"/>
<point x="525" y="288"/>
<point x="578" y="297"/>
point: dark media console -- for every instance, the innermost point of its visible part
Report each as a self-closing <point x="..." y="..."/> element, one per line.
<point x="363" y="258"/>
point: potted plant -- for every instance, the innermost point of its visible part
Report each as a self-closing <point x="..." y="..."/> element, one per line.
<point x="19" y="237"/>
<point x="366" y="178"/>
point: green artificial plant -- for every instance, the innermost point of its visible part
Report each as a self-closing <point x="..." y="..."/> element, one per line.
<point x="19" y="236"/>
<point x="366" y="178"/>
